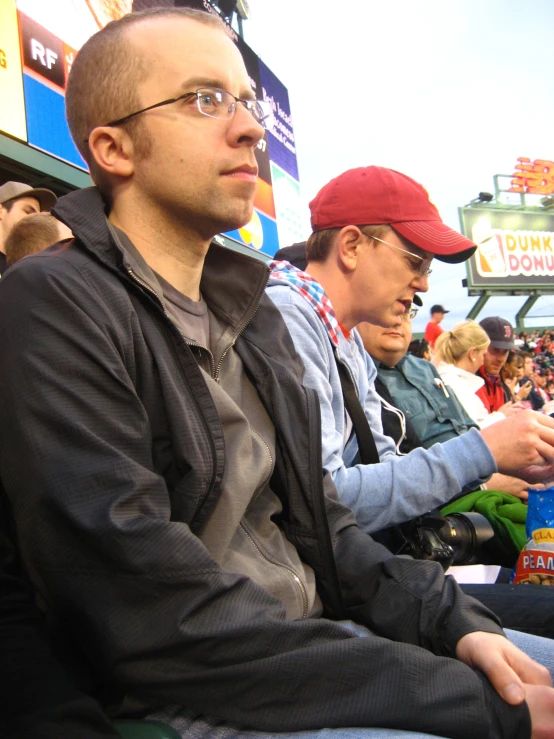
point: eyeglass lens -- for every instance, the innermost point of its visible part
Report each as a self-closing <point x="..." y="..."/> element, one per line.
<point x="217" y="103"/>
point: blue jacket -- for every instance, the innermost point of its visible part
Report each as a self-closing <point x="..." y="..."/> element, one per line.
<point x="400" y="488"/>
<point x="417" y="389"/>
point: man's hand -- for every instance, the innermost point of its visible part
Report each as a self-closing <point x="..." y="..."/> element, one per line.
<point x="522" y="444"/>
<point x="540" y="701"/>
<point x="511" y="485"/>
<point x="508" y="409"/>
<point x="514" y="675"/>
<point x="509" y="669"/>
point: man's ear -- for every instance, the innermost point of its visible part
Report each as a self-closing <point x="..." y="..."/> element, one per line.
<point x="112" y="149"/>
<point x="349" y="241"/>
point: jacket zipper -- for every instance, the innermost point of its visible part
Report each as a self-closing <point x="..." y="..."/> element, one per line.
<point x="216" y="369"/>
<point x="291" y="573"/>
<point x="232" y="344"/>
<point x="148" y="289"/>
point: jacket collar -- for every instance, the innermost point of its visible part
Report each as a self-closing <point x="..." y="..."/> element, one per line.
<point x="232" y="283"/>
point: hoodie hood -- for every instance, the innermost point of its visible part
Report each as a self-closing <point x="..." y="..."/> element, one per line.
<point x="284" y="273"/>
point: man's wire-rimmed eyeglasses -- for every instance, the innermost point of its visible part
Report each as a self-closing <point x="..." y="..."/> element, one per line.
<point x="412" y="313"/>
<point x="214" y="103"/>
<point x="423" y="268"/>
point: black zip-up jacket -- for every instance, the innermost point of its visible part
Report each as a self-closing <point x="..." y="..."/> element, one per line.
<point x="38" y="699"/>
<point x="112" y="454"/>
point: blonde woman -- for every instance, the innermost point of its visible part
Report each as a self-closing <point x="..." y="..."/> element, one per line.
<point x="458" y="355"/>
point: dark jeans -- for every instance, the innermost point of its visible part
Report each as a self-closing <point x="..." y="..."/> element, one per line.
<point x="528" y="608"/>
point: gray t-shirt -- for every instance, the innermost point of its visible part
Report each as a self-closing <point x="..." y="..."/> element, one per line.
<point x="241" y="534"/>
<point x="190" y="316"/>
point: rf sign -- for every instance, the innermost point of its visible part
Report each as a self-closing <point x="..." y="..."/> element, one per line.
<point x="42" y="51"/>
<point x="47" y="57"/>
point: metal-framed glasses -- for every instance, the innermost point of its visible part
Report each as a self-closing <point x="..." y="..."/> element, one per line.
<point x="423" y="267"/>
<point x="412" y="313"/>
<point x="214" y="103"/>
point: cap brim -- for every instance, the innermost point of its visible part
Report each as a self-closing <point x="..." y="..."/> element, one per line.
<point x="504" y="346"/>
<point x="417" y="301"/>
<point x="46" y="198"/>
<point x="436" y="237"/>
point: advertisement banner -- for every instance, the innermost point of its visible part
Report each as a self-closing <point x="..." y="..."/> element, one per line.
<point x="39" y="39"/>
<point x="288" y="207"/>
<point x="516" y="249"/>
<point x="260" y="233"/>
<point x="280" y="134"/>
<point x="46" y="65"/>
<point x="43" y="53"/>
<point x="12" y="103"/>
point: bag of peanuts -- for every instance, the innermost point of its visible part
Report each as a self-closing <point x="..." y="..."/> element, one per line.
<point x="535" y="564"/>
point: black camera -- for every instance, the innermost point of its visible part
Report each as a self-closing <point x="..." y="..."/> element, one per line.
<point x="456" y="539"/>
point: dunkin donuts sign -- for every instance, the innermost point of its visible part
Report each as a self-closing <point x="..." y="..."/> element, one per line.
<point x="515" y="248"/>
<point x="507" y="252"/>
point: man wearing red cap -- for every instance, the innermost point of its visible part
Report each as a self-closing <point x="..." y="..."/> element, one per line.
<point x="375" y="234"/>
<point x="433" y="329"/>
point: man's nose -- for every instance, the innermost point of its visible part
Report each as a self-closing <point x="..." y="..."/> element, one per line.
<point x="245" y="128"/>
<point x="421" y="283"/>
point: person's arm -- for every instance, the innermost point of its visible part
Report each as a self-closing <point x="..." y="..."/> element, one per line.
<point x="38" y="699"/>
<point x="420" y="591"/>
<point x="400" y="488"/>
<point x="472" y="402"/>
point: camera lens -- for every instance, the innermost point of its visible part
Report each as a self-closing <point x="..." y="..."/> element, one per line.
<point x="466" y="533"/>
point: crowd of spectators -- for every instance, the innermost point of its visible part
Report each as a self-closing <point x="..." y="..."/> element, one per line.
<point x="539" y="346"/>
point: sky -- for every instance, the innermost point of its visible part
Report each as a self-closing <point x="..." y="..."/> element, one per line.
<point x="450" y="92"/>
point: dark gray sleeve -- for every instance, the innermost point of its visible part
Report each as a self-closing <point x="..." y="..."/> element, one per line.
<point x="38" y="699"/>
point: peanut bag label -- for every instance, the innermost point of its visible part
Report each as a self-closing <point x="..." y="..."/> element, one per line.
<point x="535" y="566"/>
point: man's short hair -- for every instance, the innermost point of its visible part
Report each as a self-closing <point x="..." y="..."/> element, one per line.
<point x="105" y="76"/>
<point x="33" y="233"/>
<point x="319" y="243"/>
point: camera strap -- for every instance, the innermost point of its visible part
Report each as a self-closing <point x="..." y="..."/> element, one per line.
<point x="367" y="448"/>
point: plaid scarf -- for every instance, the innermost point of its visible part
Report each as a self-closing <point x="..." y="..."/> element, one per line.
<point x="312" y="291"/>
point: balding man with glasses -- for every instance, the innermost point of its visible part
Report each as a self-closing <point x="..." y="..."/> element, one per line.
<point x="162" y="458"/>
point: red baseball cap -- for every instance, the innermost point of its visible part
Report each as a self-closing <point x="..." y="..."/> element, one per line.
<point x="379" y="196"/>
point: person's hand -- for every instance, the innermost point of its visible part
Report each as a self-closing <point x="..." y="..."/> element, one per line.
<point x="523" y="392"/>
<point x="510" y="485"/>
<point x="537" y="476"/>
<point x="508" y="409"/>
<point x="523" y="443"/>
<point x="540" y="701"/>
<point x="509" y="670"/>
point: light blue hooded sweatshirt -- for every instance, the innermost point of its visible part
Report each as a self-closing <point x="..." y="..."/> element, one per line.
<point x="400" y="488"/>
